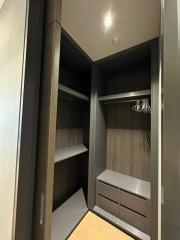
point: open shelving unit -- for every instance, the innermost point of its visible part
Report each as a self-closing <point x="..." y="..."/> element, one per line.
<point x="125" y="96"/>
<point x="68" y="215"/>
<point x="72" y="140"/>
<point x="69" y="152"/>
<point x="72" y="93"/>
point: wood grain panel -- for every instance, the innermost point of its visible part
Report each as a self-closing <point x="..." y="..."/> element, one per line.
<point x="128" y="140"/>
<point x="68" y="137"/>
<point x="128" y="152"/>
<point x="94" y="227"/>
<point x="69" y="123"/>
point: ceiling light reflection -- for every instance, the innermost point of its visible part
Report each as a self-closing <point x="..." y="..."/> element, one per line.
<point x="108" y="20"/>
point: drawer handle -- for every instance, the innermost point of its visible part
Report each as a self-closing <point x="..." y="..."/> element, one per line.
<point x="42" y="202"/>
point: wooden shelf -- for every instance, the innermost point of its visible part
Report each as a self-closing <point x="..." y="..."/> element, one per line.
<point x="130" y="184"/>
<point x="125" y="96"/>
<point x="121" y="224"/>
<point x="72" y="93"/>
<point x="68" y="215"/>
<point x="68" y="152"/>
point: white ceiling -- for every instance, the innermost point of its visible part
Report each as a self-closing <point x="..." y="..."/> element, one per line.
<point x="134" y="21"/>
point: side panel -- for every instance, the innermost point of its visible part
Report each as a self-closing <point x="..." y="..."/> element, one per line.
<point x="29" y="122"/>
<point x="98" y="139"/>
<point x="13" y="16"/>
<point x="47" y="130"/>
<point x="171" y="122"/>
<point x="155" y="147"/>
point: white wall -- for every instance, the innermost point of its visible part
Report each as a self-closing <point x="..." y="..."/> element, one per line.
<point x="13" y="16"/>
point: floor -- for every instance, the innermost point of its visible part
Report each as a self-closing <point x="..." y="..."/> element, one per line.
<point x="93" y="227"/>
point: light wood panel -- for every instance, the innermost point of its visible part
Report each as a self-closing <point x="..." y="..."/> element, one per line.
<point x="68" y="137"/>
<point x="69" y="123"/>
<point x="128" y="152"/>
<point x="128" y="140"/>
<point x="94" y="227"/>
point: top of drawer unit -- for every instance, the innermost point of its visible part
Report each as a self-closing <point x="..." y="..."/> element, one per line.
<point x="130" y="184"/>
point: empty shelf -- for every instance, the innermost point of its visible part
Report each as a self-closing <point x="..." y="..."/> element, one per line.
<point x="125" y="96"/>
<point x="130" y="184"/>
<point x="72" y="93"/>
<point x="68" y="215"/>
<point x="121" y="224"/>
<point x="68" y="152"/>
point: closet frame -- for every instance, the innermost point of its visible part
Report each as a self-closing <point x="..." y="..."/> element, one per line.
<point x="47" y="129"/>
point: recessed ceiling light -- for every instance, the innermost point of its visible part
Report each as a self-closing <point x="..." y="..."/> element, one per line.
<point x="108" y="20"/>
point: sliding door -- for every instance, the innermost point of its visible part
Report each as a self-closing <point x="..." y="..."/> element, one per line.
<point x="47" y="123"/>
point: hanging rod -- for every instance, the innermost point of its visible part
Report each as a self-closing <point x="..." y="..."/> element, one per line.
<point x="126" y="101"/>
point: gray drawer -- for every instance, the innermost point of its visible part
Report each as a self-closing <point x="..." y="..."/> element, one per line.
<point x="107" y="205"/>
<point x="135" y="203"/>
<point x="108" y="191"/>
<point x="134" y="219"/>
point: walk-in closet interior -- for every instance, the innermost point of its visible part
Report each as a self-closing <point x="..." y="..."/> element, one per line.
<point x="98" y="129"/>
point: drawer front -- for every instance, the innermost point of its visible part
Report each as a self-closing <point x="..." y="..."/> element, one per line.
<point x="108" y="191"/>
<point x="134" y="219"/>
<point x="135" y="203"/>
<point x="107" y="205"/>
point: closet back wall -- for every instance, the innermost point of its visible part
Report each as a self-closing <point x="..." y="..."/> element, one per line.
<point x="128" y="141"/>
<point x="128" y="132"/>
